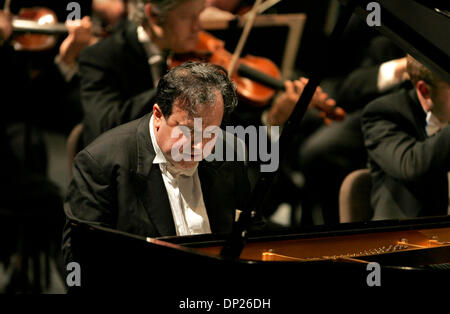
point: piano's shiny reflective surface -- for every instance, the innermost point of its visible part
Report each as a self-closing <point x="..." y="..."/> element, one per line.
<point x="421" y="243"/>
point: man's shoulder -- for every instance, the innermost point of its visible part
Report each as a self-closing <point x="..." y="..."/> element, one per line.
<point x="106" y="49"/>
<point x="394" y="103"/>
<point x="118" y="144"/>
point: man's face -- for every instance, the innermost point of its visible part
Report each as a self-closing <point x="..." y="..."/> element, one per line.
<point x="441" y="101"/>
<point x="169" y="135"/>
<point x="182" y="25"/>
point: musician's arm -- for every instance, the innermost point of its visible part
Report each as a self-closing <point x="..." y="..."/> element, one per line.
<point x="367" y="83"/>
<point x="80" y="36"/>
<point x="358" y="89"/>
<point x="284" y="104"/>
<point x="90" y="193"/>
<point x="6" y="28"/>
<point x="398" y="153"/>
<point x="90" y="198"/>
<point x="104" y="104"/>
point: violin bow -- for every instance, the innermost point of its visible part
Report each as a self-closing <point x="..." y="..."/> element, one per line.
<point x="7" y="6"/>
<point x="248" y="26"/>
<point x="263" y="7"/>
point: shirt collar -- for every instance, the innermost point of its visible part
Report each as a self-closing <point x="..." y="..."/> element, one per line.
<point x="161" y="159"/>
<point x="142" y="35"/>
<point x="159" y="156"/>
<point x="434" y="124"/>
<point x="153" y="52"/>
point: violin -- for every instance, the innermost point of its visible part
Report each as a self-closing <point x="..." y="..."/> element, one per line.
<point x="256" y="78"/>
<point x="36" y="29"/>
<point x="40" y="26"/>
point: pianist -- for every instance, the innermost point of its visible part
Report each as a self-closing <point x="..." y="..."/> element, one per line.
<point x="407" y="135"/>
<point x="127" y="179"/>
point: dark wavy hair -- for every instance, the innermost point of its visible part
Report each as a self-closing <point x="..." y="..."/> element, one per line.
<point x="192" y="84"/>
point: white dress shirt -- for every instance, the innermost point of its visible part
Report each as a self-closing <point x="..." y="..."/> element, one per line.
<point x="68" y="71"/>
<point x="154" y="54"/>
<point x="184" y="192"/>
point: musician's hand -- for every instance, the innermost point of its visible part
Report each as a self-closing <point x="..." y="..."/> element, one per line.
<point x="80" y="36"/>
<point x="391" y="73"/>
<point x="327" y="106"/>
<point x="6" y="28"/>
<point x="284" y="104"/>
<point x="110" y="11"/>
<point x="81" y="31"/>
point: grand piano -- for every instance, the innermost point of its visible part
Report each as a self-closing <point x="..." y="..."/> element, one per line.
<point x="281" y="263"/>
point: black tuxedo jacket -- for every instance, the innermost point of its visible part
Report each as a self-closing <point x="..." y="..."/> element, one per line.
<point x="116" y="83"/>
<point x="409" y="169"/>
<point x="115" y="184"/>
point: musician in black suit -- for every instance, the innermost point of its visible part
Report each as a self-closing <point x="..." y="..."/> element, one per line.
<point x="407" y="136"/>
<point x="129" y="179"/>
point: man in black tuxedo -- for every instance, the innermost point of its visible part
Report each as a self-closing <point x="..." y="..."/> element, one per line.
<point x="129" y="178"/>
<point x="407" y="136"/>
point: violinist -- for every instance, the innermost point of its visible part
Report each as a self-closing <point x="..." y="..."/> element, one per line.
<point x="118" y="75"/>
<point x="25" y="141"/>
<point x="80" y="36"/>
<point x="24" y="185"/>
<point x="52" y="63"/>
<point x="107" y="17"/>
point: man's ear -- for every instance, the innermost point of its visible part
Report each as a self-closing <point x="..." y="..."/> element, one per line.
<point x="423" y="88"/>
<point x="157" y="116"/>
<point x="152" y="14"/>
<point x="423" y="93"/>
<point x="153" y="22"/>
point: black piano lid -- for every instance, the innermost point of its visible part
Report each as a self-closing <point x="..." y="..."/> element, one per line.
<point x="420" y="30"/>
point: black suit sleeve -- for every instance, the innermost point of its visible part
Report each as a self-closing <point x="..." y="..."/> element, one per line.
<point x="359" y="88"/>
<point x="91" y="194"/>
<point x="398" y="153"/>
<point x="104" y="104"/>
<point x="89" y="199"/>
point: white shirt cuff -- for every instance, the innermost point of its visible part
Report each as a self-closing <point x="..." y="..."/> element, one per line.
<point x="67" y="70"/>
<point x="386" y="76"/>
